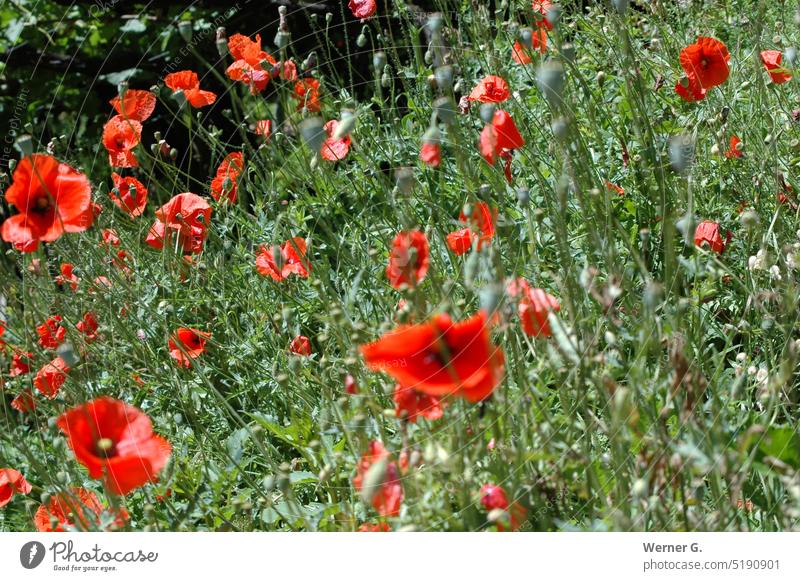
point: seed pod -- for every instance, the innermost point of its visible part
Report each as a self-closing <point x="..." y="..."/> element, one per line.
<point x="444" y="77"/>
<point x="347" y="123"/>
<point x="487" y="112"/>
<point x="185" y="30"/>
<point x="378" y="61"/>
<point x="445" y="110"/>
<point x="312" y="131"/>
<point x="550" y="80"/>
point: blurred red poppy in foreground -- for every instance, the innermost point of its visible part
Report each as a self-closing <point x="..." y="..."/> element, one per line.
<point x="115" y="441"/>
<point x="334" y="149"/>
<point x="534" y="307"/>
<point x="120" y="136"/>
<point x="708" y="234"/>
<point x="11" y="481"/>
<point x="480" y="229"/>
<point x="187" y="344"/>
<point x="189" y="83"/>
<point x="493" y="497"/>
<point x="380" y="486"/>
<point x="51" y="197"/>
<point x="135" y="104"/>
<point x="408" y="259"/>
<point x="410" y="404"/>
<point x="363" y="8"/>
<point x="279" y="262"/>
<point x="80" y="509"/>
<point x="491" y="89"/>
<point x="772" y="62"/>
<point x="225" y="183"/>
<point x="51" y="377"/>
<point x="182" y="221"/>
<point x="440" y="357"/>
<point x="380" y="527"/>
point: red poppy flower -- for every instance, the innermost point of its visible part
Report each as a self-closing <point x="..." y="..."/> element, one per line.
<point x="410" y="404"/>
<point x="248" y="66"/>
<point x="772" y="62"/>
<point x="51" y="333"/>
<point x="225" y="183"/>
<point x="307" y="92"/>
<point x="541" y="8"/>
<point x="523" y="54"/>
<point x="2" y="332"/>
<point x="51" y="377"/>
<point x="186" y="344"/>
<point x="350" y="385"/>
<point x="11" y="481"/>
<point x="20" y="363"/>
<point x="363" y="9"/>
<point x="499" y="136"/>
<point x="67" y="276"/>
<point x="440" y="357"/>
<point x="78" y="510"/>
<point x="183" y="221"/>
<point x="115" y="441"/>
<point x="24" y="402"/>
<point x="110" y="238"/>
<point x="88" y="326"/>
<point x="431" y="154"/>
<point x="301" y="345"/>
<point x="706" y="61"/>
<point x="380" y="527"/>
<point x="51" y="197"/>
<point x="120" y="136"/>
<point x="189" y="83"/>
<point x="135" y="104"/>
<point x="334" y="149"/>
<point x="480" y="228"/>
<point x="408" y="259"/>
<point x="264" y="128"/>
<point x="491" y="89"/>
<point x="708" y="234"/>
<point x="493" y="497"/>
<point x="534" y="306"/>
<point x="129" y="195"/>
<point x="733" y="149"/>
<point x="292" y="258"/>
<point x="612" y="187"/>
<point x="690" y="90"/>
<point x="286" y="70"/>
<point x="387" y="495"/>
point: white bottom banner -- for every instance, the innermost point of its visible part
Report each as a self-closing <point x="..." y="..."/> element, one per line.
<point x="348" y="556"/>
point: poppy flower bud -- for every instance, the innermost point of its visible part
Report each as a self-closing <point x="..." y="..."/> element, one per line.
<point x="523" y="197"/>
<point x="444" y="77"/>
<point x="67" y="353"/>
<point x="311" y="61"/>
<point x="445" y="109"/>
<point x="681" y="152"/>
<point x="25" y="145"/>
<point x="185" y="30"/>
<point x="386" y="79"/>
<point x="346" y="124"/>
<point x="487" y="112"/>
<point x="550" y="79"/>
<point x="404" y="180"/>
<point x="312" y="130"/>
<point x="180" y="98"/>
<point x="173" y="154"/>
<point x="361" y="40"/>
<point x="12" y="164"/>
<point x="526" y="37"/>
<point x="282" y="39"/>
<point x="378" y="61"/>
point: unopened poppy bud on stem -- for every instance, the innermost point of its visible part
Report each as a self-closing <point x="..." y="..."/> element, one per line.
<point x="25" y="145"/>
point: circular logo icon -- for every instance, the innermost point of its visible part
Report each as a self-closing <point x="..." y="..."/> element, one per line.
<point x="31" y="554"/>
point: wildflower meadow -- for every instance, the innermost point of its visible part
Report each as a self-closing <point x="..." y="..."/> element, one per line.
<point x="388" y="266"/>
